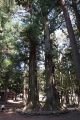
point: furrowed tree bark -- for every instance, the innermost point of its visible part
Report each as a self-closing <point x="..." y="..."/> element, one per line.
<point x="33" y="91"/>
<point x="72" y="39"/>
<point x="49" y="70"/>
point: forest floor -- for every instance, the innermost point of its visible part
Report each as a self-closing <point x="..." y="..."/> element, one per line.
<point x="10" y="114"/>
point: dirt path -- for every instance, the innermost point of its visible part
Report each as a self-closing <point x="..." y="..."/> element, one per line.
<point x="8" y="115"/>
<point x="75" y="115"/>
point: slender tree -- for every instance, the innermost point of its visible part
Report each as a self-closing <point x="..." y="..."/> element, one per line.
<point x="72" y="39"/>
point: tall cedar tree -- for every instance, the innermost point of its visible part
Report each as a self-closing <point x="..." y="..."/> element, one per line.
<point x="72" y="39"/>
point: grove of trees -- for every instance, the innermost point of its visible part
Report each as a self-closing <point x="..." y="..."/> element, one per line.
<point x="39" y="51"/>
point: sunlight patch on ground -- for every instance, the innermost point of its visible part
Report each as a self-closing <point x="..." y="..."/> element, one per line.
<point x="9" y="112"/>
<point x="12" y="101"/>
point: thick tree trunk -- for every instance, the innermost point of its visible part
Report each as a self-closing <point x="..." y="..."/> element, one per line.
<point x="6" y="87"/>
<point x="49" y="69"/>
<point x="33" y="91"/>
<point x="5" y="97"/>
<point x="72" y="39"/>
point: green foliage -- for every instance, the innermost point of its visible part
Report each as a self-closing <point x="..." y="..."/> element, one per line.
<point x="7" y="62"/>
<point x="16" y="81"/>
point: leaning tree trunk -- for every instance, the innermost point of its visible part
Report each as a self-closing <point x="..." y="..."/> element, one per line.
<point x="72" y="39"/>
<point x="33" y="91"/>
<point x="76" y="13"/>
<point x="49" y="69"/>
